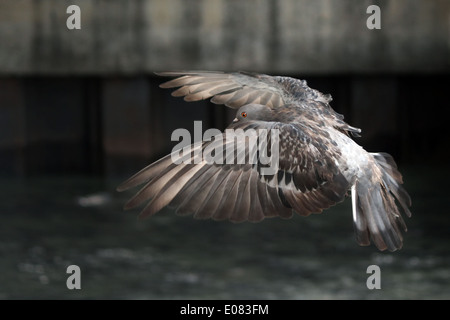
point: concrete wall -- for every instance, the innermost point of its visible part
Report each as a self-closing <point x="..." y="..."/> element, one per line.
<point x="288" y="36"/>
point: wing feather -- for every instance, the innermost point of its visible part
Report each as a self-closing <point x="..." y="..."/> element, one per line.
<point x="247" y="87"/>
<point x="238" y="191"/>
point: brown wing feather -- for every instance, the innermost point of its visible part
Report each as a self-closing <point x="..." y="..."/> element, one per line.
<point x="238" y="192"/>
<point x="237" y="89"/>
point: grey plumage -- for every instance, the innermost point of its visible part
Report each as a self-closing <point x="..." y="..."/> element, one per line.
<point x="318" y="161"/>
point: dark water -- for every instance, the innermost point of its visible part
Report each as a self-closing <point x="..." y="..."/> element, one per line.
<point x="50" y="223"/>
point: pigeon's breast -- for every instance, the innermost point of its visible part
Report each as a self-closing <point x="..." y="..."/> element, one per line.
<point x="353" y="158"/>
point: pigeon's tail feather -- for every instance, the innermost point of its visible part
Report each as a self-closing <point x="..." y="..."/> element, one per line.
<point x="377" y="197"/>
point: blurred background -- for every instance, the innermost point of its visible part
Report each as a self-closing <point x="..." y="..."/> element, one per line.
<point x="81" y="110"/>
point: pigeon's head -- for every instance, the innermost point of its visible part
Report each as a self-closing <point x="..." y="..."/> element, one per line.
<point x="254" y="112"/>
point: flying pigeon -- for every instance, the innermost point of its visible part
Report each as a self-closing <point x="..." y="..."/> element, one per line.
<point x="318" y="163"/>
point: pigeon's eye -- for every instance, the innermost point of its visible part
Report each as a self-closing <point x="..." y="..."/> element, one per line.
<point x="244" y="114"/>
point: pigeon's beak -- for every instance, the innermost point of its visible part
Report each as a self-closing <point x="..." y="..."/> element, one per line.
<point x="235" y="120"/>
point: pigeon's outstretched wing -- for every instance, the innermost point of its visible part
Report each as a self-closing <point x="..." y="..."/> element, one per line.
<point x="305" y="178"/>
<point x="237" y="89"/>
<point x="242" y="88"/>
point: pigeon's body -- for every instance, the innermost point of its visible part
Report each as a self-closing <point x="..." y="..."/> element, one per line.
<point x="318" y="163"/>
